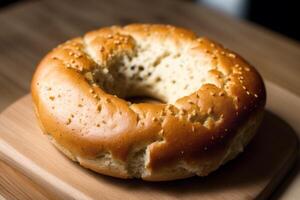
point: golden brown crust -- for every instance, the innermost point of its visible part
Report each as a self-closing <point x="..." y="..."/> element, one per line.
<point x="88" y="122"/>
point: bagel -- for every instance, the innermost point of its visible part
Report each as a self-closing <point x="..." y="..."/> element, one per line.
<point x="211" y="102"/>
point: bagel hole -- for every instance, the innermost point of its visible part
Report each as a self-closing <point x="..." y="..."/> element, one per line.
<point x="144" y="99"/>
<point x="154" y="73"/>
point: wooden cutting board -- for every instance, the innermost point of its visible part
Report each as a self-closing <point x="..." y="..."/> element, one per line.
<point x="254" y="174"/>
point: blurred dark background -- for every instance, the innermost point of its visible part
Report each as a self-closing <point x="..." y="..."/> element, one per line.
<point x="280" y="16"/>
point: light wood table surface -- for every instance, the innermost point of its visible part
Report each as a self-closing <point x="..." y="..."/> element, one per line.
<point x="29" y="30"/>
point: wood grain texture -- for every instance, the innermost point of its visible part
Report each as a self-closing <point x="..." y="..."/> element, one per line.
<point x="29" y="30"/>
<point x="253" y="175"/>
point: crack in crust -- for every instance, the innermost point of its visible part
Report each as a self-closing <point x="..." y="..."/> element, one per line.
<point x="211" y="95"/>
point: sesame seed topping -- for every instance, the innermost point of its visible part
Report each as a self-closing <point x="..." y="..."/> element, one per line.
<point x="161" y="132"/>
<point x="51" y="98"/>
<point x="191" y="102"/>
<point x="71" y="53"/>
<point x="255" y="95"/>
<point x="117" y="42"/>
<point x="154" y="119"/>
<point x="247" y="69"/>
<point x="105" y="71"/>
<point x="248" y="93"/>
<point x="99" y="107"/>
<point x="231" y="55"/>
<point x="221" y="93"/>
<point x="244" y="87"/>
<point x="79" y="105"/>
<point x="209" y="111"/>
<point x="68" y="121"/>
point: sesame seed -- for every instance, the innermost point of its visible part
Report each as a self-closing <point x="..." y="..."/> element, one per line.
<point x="154" y="119"/>
<point x="103" y="121"/>
<point x="68" y="121"/>
<point x="231" y="55"/>
<point x="191" y="102"/>
<point x="105" y="71"/>
<point x="98" y="125"/>
<point x="248" y="93"/>
<point x="99" y="107"/>
<point x="212" y="44"/>
<point x="244" y="87"/>
<point x="79" y="105"/>
<point x="182" y="112"/>
<point x="236" y="65"/>
<point x="209" y="111"/>
<point x="51" y="98"/>
<point x="247" y="69"/>
<point x="161" y="132"/>
<point x="117" y="42"/>
<point x="255" y="95"/>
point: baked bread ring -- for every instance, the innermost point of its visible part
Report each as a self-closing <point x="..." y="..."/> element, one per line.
<point x="213" y="102"/>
